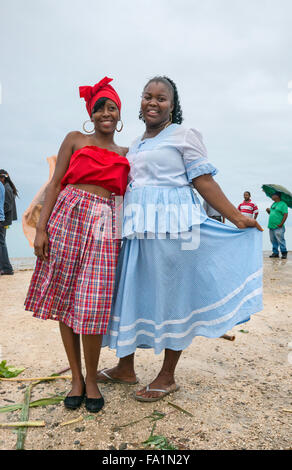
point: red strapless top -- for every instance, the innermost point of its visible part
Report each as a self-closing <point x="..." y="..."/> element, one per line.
<point x="94" y="165"/>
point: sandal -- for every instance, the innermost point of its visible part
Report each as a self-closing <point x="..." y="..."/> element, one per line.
<point x="109" y="379"/>
<point x="167" y="391"/>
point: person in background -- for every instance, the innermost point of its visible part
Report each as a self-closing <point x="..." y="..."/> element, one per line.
<point x="2" y="198"/>
<point x="248" y="208"/>
<point x="2" y="217"/>
<point x="10" y="214"/>
<point x="212" y="213"/>
<point x="278" y="213"/>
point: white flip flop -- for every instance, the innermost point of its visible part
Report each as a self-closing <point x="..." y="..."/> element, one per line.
<point x="109" y="379"/>
<point x="167" y="391"/>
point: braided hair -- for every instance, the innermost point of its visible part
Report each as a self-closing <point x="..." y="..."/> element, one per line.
<point x="177" y="117"/>
<point x="4" y="174"/>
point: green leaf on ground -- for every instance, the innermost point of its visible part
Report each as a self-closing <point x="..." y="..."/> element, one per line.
<point x="180" y="409"/>
<point x="21" y="432"/>
<point x="159" y="442"/>
<point x="8" y="372"/>
<point x="155" y="416"/>
<point x="89" y="418"/>
<point x="47" y="401"/>
<point x="42" y="402"/>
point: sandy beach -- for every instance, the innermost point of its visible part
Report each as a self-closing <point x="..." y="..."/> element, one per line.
<point x="238" y="393"/>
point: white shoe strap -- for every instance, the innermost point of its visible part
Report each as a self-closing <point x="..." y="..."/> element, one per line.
<point x="105" y="374"/>
<point x="155" y="390"/>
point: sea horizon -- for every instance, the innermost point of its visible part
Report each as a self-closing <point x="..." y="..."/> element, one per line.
<point x="18" y="246"/>
<point x="27" y="263"/>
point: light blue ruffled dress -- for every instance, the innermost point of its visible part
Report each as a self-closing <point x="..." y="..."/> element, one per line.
<point x="180" y="274"/>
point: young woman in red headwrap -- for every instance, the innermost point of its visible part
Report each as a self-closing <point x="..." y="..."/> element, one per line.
<point x="76" y="244"/>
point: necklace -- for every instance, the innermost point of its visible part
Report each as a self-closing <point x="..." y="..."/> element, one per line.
<point x="167" y="124"/>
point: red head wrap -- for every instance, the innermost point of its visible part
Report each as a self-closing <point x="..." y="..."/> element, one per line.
<point x="102" y="89"/>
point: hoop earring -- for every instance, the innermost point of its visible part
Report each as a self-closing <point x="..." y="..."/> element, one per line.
<point x="119" y="130"/>
<point x="170" y="117"/>
<point x="88" y="132"/>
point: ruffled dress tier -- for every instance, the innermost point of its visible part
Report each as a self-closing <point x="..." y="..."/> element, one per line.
<point x="180" y="274"/>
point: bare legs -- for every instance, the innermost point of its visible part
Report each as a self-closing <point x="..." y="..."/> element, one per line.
<point x="165" y="378"/>
<point x="71" y="343"/>
<point x="124" y="370"/>
<point x="91" y="348"/>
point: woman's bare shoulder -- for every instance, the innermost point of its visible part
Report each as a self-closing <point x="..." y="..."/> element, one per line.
<point x="74" y="136"/>
<point x="76" y="140"/>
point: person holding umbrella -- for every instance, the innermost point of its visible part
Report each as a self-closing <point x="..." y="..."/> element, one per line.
<point x="278" y="214"/>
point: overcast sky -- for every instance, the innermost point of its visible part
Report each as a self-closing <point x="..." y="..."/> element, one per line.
<point x="231" y="61"/>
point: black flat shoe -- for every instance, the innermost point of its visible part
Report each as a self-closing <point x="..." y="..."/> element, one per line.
<point x="274" y="255"/>
<point x="74" y="402"/>
<point x="94" y="405"/>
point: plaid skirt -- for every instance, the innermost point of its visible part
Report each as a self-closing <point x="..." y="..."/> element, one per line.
<point x="75" y="285"/>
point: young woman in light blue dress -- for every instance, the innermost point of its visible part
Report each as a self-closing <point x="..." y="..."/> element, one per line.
<point x="180" y="274"/>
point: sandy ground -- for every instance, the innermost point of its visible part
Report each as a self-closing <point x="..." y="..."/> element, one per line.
<point x="236" y="391"/>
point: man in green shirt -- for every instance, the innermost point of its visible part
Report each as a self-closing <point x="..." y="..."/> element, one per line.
<point x="278" y="215"/>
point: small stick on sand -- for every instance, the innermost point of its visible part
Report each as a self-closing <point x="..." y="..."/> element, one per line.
<point x="26" y="424"/>
<point x="32" y="379"/>
<point x="63" y="370"/>
<point x="72" y="421"/>
<point x="230" y="338"/>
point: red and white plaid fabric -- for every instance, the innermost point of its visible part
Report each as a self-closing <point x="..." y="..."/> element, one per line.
<point x="75" y="285"/>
